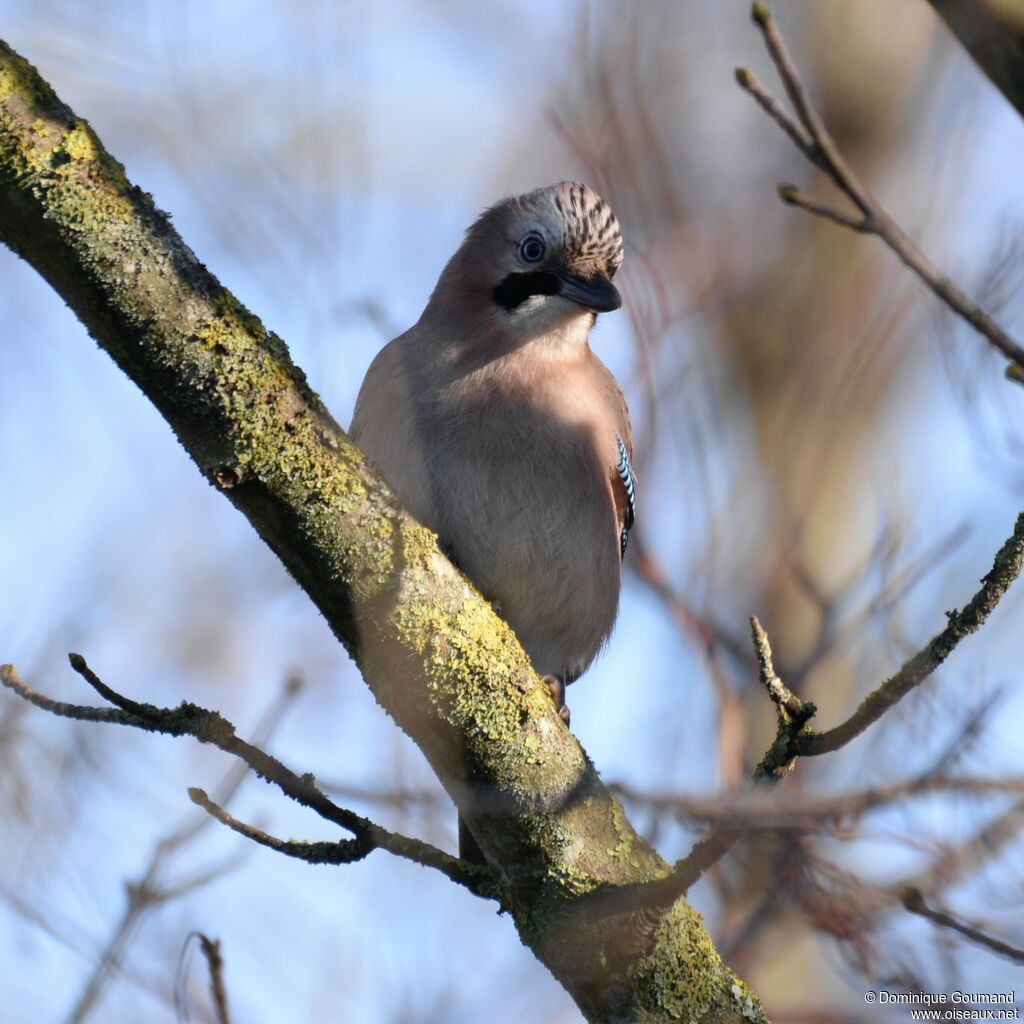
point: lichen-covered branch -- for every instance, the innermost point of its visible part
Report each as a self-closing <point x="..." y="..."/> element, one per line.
<point x="339" y="851"/>
<point x="211" y="727"/>
<point x="791" y="713"/>
<point x="433" y="652"/>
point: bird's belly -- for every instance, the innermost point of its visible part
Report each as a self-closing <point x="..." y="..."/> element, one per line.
<point x="531" y="521"/>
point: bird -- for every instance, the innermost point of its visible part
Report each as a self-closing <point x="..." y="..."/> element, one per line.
<point x="498" y="428"/>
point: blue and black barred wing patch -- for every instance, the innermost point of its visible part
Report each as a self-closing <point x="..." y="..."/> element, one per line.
<point x="625" y="470"/>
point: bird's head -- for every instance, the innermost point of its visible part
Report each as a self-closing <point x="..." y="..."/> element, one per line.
<point x="542" y="261"/>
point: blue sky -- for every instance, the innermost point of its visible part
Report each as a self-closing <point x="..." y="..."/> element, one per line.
<point x="315" y="158"/>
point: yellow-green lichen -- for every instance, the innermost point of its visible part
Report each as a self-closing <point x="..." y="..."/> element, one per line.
<point x="627" y="836"/>
<point x="427" y="643"/>
<point x="80" y="199"/>
<point x="682" y="975"/>
<point x="746" y="1002"/>
<point x="17" y="76"/>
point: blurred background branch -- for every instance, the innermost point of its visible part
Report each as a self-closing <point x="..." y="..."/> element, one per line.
<point x="993" y="33"/>
<point x="802" y="413"/>
<point x="811" y="137"/>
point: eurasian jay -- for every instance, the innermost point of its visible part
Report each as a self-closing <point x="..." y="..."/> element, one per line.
<point x="499" y="429"/>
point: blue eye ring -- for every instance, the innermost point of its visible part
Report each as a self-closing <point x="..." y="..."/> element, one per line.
<point x="532" y="248"/>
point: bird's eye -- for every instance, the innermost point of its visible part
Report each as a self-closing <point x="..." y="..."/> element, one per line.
<point x="532" y="248"/>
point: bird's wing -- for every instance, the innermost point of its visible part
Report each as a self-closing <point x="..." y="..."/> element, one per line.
<point x="623" y="477"/>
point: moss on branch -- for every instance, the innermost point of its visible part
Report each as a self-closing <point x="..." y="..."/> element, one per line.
<point x="433" y="652"/>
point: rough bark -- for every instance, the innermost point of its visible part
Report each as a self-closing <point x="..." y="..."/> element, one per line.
<point x="432" y="651"/>
<point x="992" y="31"/>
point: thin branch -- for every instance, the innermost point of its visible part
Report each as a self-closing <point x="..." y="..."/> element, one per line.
<point x="1006" y="568"/>
<point x="981" y="848"/>
<point x="9" y="677"/>
<point x="791" y="712"/>
<point x="786" y="703"/>
<point x="793" y="737"/>
<point x="809" y="134"/>
<point x="825" y="149"/>
<point x="792" y="195"/>
<point x="218" y="993"/>
<point x="78" y="663"/>
<point x="898" y="586"/>
<point x="748" y="81"/>
<point x="914" y="901"/>
<point x="793" y="716"/>
<point x="146" y="890"/>
<point x="210" y="949"/>
<point x="211" y="727"/>
<point x="756" y="809"/>
<point x="343" y="851"/>
<point x="432" y="650"/>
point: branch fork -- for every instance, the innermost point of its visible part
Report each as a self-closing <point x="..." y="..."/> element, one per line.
<point x="808" y="133"/>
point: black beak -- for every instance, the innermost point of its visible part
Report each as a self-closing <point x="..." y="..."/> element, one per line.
<point x="598" y="293"/>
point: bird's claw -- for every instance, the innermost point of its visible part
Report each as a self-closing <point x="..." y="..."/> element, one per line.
<point x="557" y="687"/>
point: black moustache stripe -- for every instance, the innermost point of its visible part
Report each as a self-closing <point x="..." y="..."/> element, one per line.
<point x="518" y="287"/>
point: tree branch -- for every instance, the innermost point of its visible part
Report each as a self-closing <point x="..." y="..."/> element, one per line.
<point x="1006" y="567"/>
<point x="344" y="851"/>
<point x="210" y="949"/>
<point x="218" y="992"/>
<point x="793" y="716"/>
<point x="914" y="901"/>
<point x="791" y="712"/>
<point x="147" y="889"/>
<point x="794" y="738"/>
<point x="757" y="809"/>
<point x="211" y="727"/>
<point x="809" y="135"/>
<point x="431" y="649"/>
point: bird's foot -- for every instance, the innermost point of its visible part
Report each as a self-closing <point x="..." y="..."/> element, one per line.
<point x="449" y="553"/>
<point x="556" y="684"/>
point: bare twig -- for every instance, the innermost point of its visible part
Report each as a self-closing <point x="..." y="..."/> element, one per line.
<point x="793" y="715"/>
<point x="211" y="727"/>
<point x="901" y="583"/>
<point x="218" y="993"/>
<point x="344" y="851"/>
<point x="809" y="135"/>
<point x="756" y="809"/>
<point x="980" y="848"/>
<point x="210" y="949"/>
<point x="794" y="737"/>
<point x="914" y="901"/>
<point x="147" y="891"/>
<point x="1005" y="569"/>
